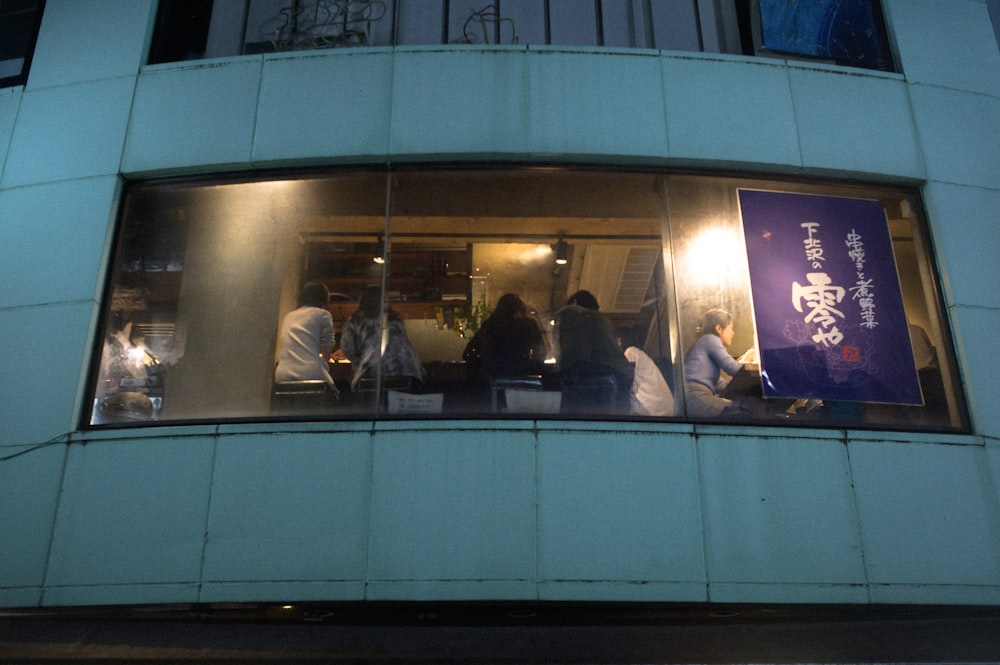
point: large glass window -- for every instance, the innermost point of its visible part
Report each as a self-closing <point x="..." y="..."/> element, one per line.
<point x="194" y="29"/>
<point x="520" y="292"/>
<point x="19" y="21"/>
<point x="848" y="32"/>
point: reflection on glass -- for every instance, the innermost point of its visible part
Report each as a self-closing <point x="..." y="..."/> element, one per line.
<point x="205" y="272"/>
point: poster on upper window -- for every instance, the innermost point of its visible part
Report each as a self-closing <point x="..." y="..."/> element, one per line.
<point x="845" y="31"/>
<point x="826" y="299"/>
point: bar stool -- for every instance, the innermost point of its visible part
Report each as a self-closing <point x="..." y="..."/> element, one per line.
<point x="301" y="397"/>
<point x="595" y="393"/>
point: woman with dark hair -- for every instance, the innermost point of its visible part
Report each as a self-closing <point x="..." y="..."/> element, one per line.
<point x="362" y="341"/>
<point x="509" y="343"/>
<point x="705" y="363"/>
<point x="306" y="338"/>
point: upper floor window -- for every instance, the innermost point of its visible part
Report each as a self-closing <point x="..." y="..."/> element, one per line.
<point x="843" y="31"/>
<point x="525" y="292"/>
<point x="19" y="21"/>
<point x="848" y="32"/>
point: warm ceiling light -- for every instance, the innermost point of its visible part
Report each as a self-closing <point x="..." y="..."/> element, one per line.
<point x="562" y="252"/>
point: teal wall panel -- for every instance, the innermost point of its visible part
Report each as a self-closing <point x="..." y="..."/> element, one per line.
<point x="855" y="123"/>
<point x="975" y="329"/>
<point x="314" y="108"/>
<point x="459" y="102"/>
<point x="73" y="131"/>
<point x="196" y="117"/>
<point x="619" y="500"/>
<point x="453" y="505"/>
<point x="746" y="114"/>
<point x="958" y="135"/>
<point x="918" y="526"/>
<point x="87" y="41"/>
<point x="962" y="218"/>
<point x="10" y="102"/>
<point x="289" y="507"/>
<point x="44" y="347"/>
<point x="780" y="519"/>
<point x="29" y="487"/>
<point x="132" y="514"/>
<point x="56" y="236"/>
<point x="585" y="103"/>
<point x="924" y="33"/>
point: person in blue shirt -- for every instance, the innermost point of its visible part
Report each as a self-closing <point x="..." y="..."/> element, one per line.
<point x="704" y="365"/>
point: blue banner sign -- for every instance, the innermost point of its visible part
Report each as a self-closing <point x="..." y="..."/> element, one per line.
<point x="826" y="299"/>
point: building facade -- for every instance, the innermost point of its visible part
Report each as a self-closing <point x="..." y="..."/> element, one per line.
<point x="245" y="171"/>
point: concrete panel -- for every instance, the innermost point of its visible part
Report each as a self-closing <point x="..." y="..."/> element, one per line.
<point x="779" y="511"/>
<point x="194" y="116"/>
<point x="446" y="590"/>
<point x="620" y="506"/>
<point x="854" y="122"/>
<point x="925" y="34"/>
<point x="86" y="41"/>
<point x="10" y="102"/>
<point x="958" y="135"/>
<point x="975" y="331"/>
<point x="459" y="102"/>
<point x="29" y="489"/>
<point x="118" y="594"/>
<point x="336" y="103"/>
<point x="289" y="507"/>
<point x="132" y="513"/>
<point x="962" y="221"/>
<point x="745" y="115"/>
<point x="589" y="103"/>
<point x="928" y="514"/>
<point x="44" y="350"/>
<point x="301" y="591"/>
<point x="453" y="505"/>
<point x="74" y="131"/>
<point x="602" y="591"/>
<point x="53" y="237"/>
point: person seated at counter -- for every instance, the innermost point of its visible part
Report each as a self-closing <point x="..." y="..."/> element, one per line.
<point x="361" y="342"/>
<point x="509" y="343"/>
<point x="588" y="355"/>
<point x="306" y="339"/>
<point x="704" y="364"/>
<point x="650" y="394"/>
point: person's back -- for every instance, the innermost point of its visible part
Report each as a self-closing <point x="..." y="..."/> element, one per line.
<point x="593" y="370"/>
<point x="306" y="339"/>
<point x="587" y="340"/>
<point x="509" y="343"/>
<point x="362" y="341"/>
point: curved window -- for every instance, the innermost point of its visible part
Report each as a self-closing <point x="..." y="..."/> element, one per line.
<point x="524" y="292"/>
<point x="847" y="32"/>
